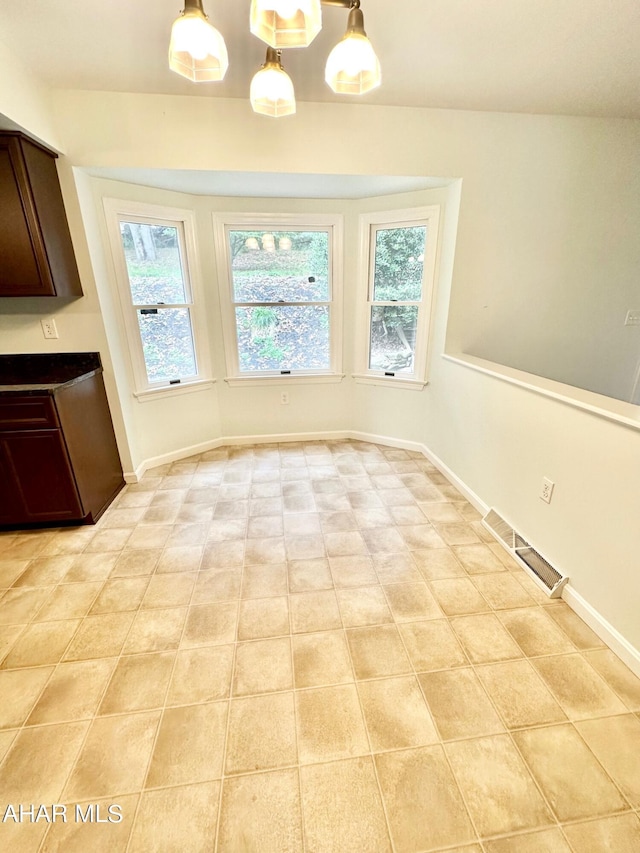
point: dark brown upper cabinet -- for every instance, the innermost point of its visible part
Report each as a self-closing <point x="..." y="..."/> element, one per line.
<point x="36" y="253"/>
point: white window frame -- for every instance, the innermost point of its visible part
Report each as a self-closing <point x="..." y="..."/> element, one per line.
<point x="225" y="222"/>
<point x="370" y="223"/>
<point x="116" y="211"/>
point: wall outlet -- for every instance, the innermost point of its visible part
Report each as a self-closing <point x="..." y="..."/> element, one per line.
<point x="632" y="318"/>
<point x="49" y="328"/>
<point x="547" y="490"/>
<point x="284" y="398"/>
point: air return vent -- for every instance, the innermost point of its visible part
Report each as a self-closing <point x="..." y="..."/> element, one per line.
<point x="540" y="570"/>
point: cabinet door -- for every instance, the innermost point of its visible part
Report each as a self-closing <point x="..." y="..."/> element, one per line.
<point x="40" y="476"/>
<point x="24" y="269"/>
<point x="10" y="501"/>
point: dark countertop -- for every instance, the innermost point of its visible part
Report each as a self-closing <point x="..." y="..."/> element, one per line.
<point x="45" y="373"/>
<point x="40" y="388"/>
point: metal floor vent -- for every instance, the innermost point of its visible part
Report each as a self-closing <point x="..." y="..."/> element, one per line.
<point x="540" y="570"/>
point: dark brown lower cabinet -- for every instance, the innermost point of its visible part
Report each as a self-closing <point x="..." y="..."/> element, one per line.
<point x="41" y="482"/>
<point x="58" y="456"/>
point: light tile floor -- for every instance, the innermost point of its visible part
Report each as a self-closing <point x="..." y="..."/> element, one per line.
<point x="308" y="647"/>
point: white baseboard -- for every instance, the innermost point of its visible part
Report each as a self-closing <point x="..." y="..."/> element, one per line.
<point x="287" y="437"/>
<point x="607" y="633"/>
<point x="172" y="456"/>
<point x="605" y="630"/>
<point x="386" y="441"/>
<point x="462" y="487"/>
<point x="284" y="438"/>
<point x="225" y="441"/>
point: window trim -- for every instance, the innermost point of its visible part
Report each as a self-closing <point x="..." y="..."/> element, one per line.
<point x="334" y="224"/>
<point x="428" y="215"/>
<point x="117" y="210"/>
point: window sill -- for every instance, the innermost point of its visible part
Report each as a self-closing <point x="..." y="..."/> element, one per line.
<point x="293" y="379"/>
<point x="390" y="381"/>
<point x="172" y="390"/>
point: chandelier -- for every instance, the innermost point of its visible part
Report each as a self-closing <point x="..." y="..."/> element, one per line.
<point x="198" y="52"/>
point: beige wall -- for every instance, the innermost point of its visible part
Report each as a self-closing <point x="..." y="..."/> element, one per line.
<point x="24" y="101"/>
<point x="547" y="253"/>
<point x="523" y="177"/>
<point x="161" y="426"/>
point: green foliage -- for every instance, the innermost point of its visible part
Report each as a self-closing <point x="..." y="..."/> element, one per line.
<point x="263" y="319"/>
<point x="260" y="275"/>
<point x="398" y="274"/>
<point x="270" y="350"/>
<point x="398" y="264"/>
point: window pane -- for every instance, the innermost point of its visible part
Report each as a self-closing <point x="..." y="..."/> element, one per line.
<point x="398" y="264"/>
<point x="167" y="343"/>
<point x="152" y="253"/>
<point x="288" y="337"/>
<point x="393" y="338"/>
<point x="280" y="266"/>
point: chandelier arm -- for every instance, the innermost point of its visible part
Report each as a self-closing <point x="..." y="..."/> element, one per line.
<point x="195" y="5"/>
<point x="343" y="4"/>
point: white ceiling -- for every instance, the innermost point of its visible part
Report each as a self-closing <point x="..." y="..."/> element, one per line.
<point x="575" y="57"/>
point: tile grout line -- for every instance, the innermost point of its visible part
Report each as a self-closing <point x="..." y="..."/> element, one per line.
<point x="55" y="667"/>
<point x="303" y="830"/>
<point x="88" y="721"/>
<point x="175" y="525"/>
<point x="440" y="742"/>
<point x="164" y="705"/>
<point x="538" y="785"/>
<point x="223" y="775"/>
<point x="95" y="715"/>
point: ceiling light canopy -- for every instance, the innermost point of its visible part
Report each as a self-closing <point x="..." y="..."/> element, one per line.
<point x="198" y="51"/>
<point x="286" y="23"/>
<point x="271" y="91"/>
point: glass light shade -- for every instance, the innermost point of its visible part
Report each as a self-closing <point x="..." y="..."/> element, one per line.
<point x="272" y="95"/>
<point x="286" y="23"/>
<point x="284" y="244"/>
<point x="197" y="50"/>
<point x="353" y="67"/>
<point x="251" y="243"/>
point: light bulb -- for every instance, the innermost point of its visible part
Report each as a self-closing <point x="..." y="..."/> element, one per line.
<point x="197" y="50"/>
<point x="352" y="66"/>
<point x="286" y="8"/>
<point x="359" y="55"/>
<point x="191" y="33"/>
<point x="272" y="94"/>
<point x="285" y="23"/>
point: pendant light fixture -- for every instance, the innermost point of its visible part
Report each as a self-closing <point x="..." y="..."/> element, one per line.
<point x="271" y="91"/>
<point x="353" y="67"/>
<point x="197" y="50"/>
<point x="286" y="23"/>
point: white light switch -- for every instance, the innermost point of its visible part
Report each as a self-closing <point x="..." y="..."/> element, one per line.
<point x="633" y="318"/>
